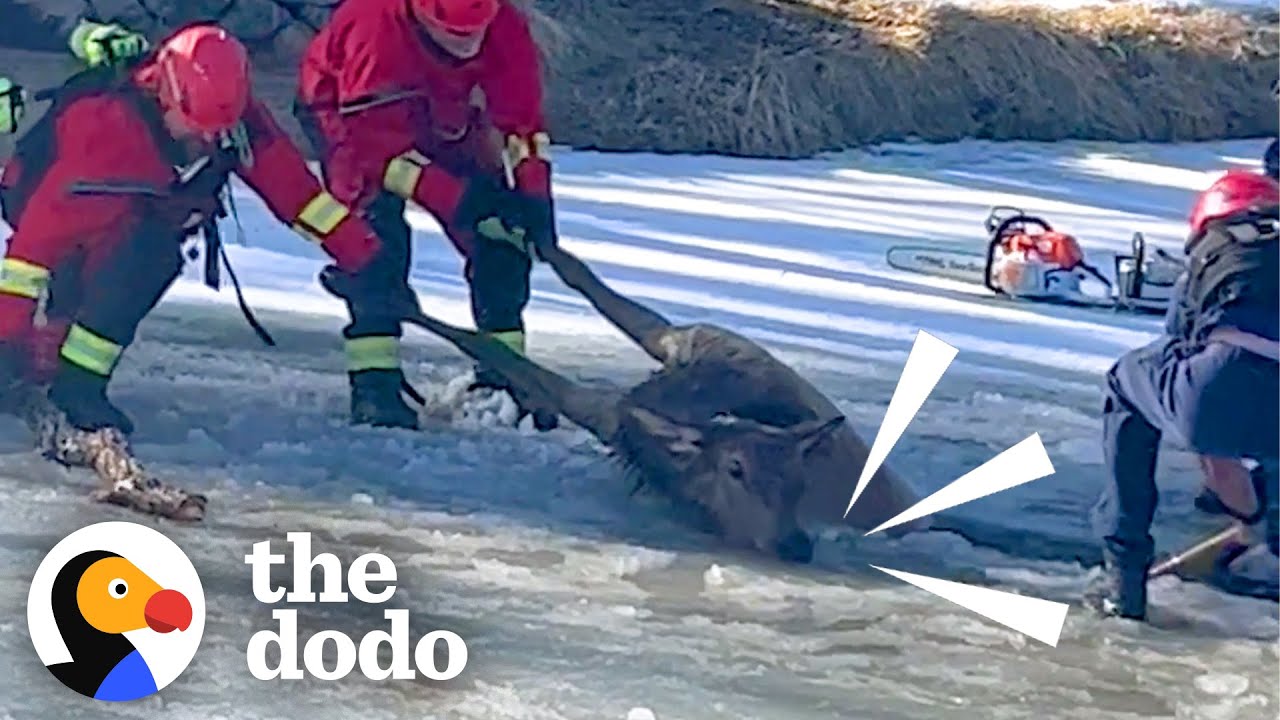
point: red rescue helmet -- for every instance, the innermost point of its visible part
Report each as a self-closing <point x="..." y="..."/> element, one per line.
<point x="204" y="74"/>
<point x="1235" y="192"/>
<point x="456" y="17"/>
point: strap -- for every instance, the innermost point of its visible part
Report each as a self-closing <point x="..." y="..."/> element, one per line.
<point x="235" y="282"/>
<point x="212" y="251"/>
<point x="244" y="307"/>
<point x="412" y="392"/>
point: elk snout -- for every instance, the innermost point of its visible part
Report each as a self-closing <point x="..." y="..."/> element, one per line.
<point x="796" y="546"/>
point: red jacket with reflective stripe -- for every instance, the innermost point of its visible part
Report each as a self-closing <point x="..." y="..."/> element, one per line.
<point x="419" y="98"/>
<point x="280" y="176"/>
<point x="100" y="138"/>
<point x="104" y="138"/>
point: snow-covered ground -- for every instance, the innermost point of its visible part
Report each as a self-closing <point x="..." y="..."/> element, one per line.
<point x="581" y="603"/>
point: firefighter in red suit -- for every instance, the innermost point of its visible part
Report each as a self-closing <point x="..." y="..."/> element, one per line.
<point x="102" y="191"/>
<point x="439" y="103"/>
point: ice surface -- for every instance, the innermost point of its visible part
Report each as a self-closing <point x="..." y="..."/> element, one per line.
<point x="581" y="603"/>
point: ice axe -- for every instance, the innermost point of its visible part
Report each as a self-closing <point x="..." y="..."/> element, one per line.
<point x="1199" y="561"/>
<point x="1207" y="562"/>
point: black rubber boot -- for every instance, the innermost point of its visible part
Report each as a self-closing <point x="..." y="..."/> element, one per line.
<point x="1121" y="591"/>
<point x="82" y="397"/>
<point x="376" y="400"/>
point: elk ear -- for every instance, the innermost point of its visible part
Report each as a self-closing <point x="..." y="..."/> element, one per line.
<point x="811" y="433"/>
<point x="680" y="439"/>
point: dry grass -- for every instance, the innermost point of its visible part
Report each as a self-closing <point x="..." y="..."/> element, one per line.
<point x="913" y="27"/>
<point x="794" y="77"/>
<point x="789" y="78"/>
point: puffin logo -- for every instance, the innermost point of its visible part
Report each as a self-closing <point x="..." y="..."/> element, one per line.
<point x="116" y="611"/>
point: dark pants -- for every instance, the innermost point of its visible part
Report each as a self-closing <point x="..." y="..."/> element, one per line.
<point x="1220" y="401"/>
<point x="369" y="315"/>
<point x="496" y="272"/>
<point x="498" y="275"/>
<point x="115" y="300"/>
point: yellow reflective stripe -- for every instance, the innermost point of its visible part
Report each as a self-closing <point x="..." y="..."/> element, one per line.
<point x="378" y="352"/>
<point x="90" y="351"/>
<point x="22" y="278"/>
<point x="322" y="214"/>
<point x="513" y="339"/>
<point x="403" y="172"/>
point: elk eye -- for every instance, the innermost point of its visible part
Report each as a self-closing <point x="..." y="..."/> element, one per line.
<point x="735" y="469"/>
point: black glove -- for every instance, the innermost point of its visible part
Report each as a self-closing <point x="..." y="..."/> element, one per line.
<point x="494" y="211"/>
<point x="540" y="214"/>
